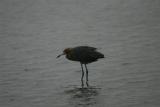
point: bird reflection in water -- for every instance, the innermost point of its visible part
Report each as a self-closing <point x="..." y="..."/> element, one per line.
<point x="84" y="96"/>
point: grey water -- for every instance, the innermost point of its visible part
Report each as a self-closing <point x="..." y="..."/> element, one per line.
<point x="34" y="32"/>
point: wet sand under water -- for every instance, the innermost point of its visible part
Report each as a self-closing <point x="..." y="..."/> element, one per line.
<point x="33" y="33"/>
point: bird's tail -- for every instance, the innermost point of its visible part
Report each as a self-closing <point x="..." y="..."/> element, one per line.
<point x="99" y="55"/>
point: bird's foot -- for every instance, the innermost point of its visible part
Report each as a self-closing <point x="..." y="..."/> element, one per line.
<point x="87" y="83"/>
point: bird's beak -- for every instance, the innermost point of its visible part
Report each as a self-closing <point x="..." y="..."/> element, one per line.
<point x="60" y="55"/>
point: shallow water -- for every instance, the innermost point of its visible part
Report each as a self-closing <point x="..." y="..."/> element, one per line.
<point x="34" y="32"/>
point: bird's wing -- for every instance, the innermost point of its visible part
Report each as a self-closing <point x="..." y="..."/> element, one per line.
<point x="86" y="48"/>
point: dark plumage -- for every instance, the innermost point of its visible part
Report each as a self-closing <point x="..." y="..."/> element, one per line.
<point x="83" y="54"/>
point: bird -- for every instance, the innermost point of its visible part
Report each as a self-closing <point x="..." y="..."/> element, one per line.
<point x="84" y="55"/>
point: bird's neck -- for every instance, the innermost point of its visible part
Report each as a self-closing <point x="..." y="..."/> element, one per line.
<point x="68" y="56"/>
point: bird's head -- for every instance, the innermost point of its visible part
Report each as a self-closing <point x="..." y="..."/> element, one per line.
<point x="65" y="52"/>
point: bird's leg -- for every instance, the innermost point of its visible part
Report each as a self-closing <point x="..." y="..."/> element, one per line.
<point x="86" y="72"/>
<point x="82" y="72"/>
<point x="87" y="83"/>
<point x="82" y="84"/>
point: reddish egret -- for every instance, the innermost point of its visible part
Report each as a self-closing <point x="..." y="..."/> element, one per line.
<point x="83" y="54"/>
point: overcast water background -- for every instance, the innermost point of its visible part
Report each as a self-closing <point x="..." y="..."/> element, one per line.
<point x="34" y="32"/>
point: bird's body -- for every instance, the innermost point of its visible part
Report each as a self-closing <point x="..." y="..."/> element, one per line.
<point x="84" y="55"/>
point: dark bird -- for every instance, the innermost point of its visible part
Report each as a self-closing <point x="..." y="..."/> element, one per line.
<point x="83" y="54"/>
